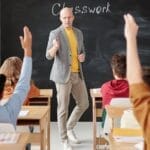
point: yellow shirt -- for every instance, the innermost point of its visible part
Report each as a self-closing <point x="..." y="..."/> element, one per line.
<point x="73" y="47"/>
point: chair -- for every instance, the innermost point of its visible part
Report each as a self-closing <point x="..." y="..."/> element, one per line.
<point x="128" y="120"/>
<point x="122" y="102"/>
<point x="97" y="114"/>
<point x="115" y="112"/>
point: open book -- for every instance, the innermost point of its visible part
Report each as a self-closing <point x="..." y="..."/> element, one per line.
<point x="6" y="138"/>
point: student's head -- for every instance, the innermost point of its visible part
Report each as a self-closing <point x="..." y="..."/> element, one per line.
<point x="118" y="64"/>
<point x="66" y="17"/>
<point x="11" y="68"/>
<point x="146" y="74"/>
<point x="2" y="84"/>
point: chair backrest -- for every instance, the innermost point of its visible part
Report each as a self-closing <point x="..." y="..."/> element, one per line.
<point x="121" y="102"/>
<point x="6" y="127"/>
<point x="96" y="96"/>
<point x="115" y="112"/>
<point x="95" y="92"/>
<point x="128" y="120"/>
<point x="117" y="107"/>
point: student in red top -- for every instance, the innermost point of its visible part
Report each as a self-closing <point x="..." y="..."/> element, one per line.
<point x="119" y="86"/>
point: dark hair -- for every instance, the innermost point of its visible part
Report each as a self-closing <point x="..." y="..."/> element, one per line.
<point x="146" y="74"/>
<point x="118" y="64"/>
<point x="2" y="83"/>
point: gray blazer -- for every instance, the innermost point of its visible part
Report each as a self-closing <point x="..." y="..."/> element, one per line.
<point x="60" y="72"/>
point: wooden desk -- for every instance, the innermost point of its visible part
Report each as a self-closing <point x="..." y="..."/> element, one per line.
<point x="20" y="145"/>
<point x="43" y="99"/>
<point x="126" y="132"/>
<point x="97" y="112"/>
<point x="38" y="115"/>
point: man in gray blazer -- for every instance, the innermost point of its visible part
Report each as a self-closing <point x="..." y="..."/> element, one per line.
<point x="66" y="46"/>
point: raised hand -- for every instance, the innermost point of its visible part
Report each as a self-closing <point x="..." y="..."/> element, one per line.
<point x="56" y="44"/>
<point x="26" y="41"/>
<point x="131" y="28"/>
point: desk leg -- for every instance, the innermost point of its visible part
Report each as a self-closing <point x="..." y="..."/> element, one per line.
<point x="45" y="131"/>
<point x="42" y="134"/>
<point x="94" y="124"/>
<point x="48" y="130"/>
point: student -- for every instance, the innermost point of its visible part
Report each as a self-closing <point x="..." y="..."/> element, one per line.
<point x="9" y="111"/>
<point x="139" y="81"/>
<point x="12" y="75"/>
<point x="118" y="87"/>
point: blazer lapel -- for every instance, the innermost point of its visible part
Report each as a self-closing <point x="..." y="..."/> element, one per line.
<point x="64" y="36"/>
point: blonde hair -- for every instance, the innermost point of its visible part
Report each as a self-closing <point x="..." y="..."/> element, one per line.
<point x="11" y="68"/>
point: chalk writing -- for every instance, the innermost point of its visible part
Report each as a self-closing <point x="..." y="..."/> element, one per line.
<point x="84" y="9"/>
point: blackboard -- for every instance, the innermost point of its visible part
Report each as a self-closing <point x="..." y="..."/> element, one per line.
<point x="101" y="22"/>
<point x="0" y="33"/>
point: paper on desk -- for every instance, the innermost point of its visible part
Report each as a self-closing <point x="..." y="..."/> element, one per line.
<point x="9" y="137"/>
<point x="23" y="113"/>
<point x="139" y="146"/>
<point x="128" y="139"/>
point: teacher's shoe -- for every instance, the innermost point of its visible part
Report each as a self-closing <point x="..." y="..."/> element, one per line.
<point x="72" y="137"/>
<point x="67" y="145"/>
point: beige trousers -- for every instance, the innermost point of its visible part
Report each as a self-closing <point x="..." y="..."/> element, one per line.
<point x="77" y="88"/>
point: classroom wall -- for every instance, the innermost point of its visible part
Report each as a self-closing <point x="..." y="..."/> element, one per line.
<point x="101" y="22"/>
